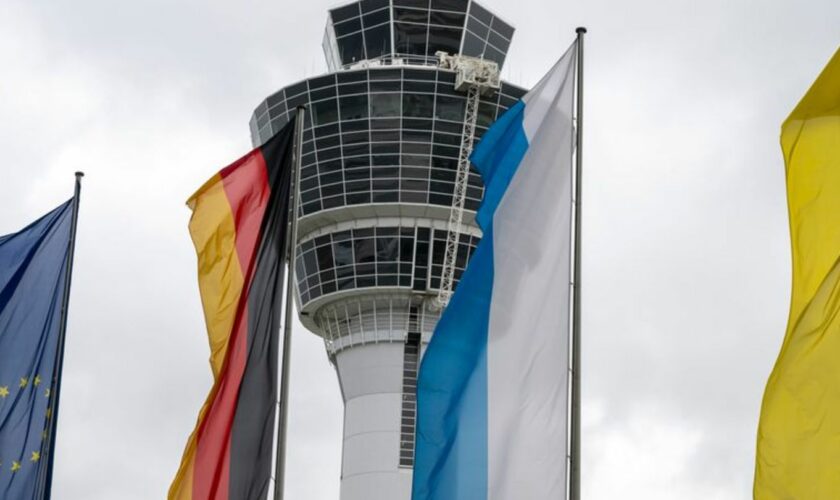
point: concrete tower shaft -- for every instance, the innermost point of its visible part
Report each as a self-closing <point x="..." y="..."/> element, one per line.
<point x="381" y="145"/>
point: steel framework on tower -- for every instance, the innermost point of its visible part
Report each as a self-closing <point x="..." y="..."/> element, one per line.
<point x="475" y="76"/>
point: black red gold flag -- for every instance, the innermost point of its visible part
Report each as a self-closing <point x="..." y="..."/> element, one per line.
<point x="239" y="229"/>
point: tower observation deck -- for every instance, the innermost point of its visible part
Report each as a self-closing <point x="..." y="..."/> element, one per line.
<point x="384" y="135"/>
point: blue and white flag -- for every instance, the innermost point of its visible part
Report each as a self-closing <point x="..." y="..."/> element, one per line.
<point x="33" y="271"/>
<point x="493" y="384"/>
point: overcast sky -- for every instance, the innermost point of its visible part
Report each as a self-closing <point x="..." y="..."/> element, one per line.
<point x="686" y="263"/>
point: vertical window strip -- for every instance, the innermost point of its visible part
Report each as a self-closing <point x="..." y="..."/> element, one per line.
<point x="411" y="359"/>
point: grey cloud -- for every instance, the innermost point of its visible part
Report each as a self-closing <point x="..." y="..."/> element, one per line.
<point x="686" y="263"/>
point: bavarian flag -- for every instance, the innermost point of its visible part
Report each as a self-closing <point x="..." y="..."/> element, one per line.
<point x="239" y="228"/>
<point x="798" y="454"/>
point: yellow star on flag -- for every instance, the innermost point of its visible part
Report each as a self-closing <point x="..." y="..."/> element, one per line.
<point x="35" y="456"/>
<point x="47" y="392"/>
<point x="23" y="382"/>
<point x="49" y="412"/>
<point x="37" y="381"/>
<point x="15" y="466"/>
<point x="4" y="391"/>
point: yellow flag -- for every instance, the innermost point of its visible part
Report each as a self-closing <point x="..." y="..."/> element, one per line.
<point x="798" y="452"/>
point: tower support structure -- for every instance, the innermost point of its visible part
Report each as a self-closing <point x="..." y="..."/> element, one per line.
<point x="475" y="76"/>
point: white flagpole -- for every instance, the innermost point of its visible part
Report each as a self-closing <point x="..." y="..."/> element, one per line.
<point x="46" y="479"/>
<point x="574" y="455"/>
<point x="283" y="397"/>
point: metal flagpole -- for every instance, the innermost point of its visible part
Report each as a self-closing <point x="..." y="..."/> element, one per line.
<point x="283" y="398"/>
<point x="52" y="408"/>
<point x="574" y="482"/>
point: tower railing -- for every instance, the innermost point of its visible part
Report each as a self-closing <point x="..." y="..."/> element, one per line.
<point x="371" y="320"/>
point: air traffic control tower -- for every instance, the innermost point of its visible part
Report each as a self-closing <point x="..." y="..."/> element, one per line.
<point x="387" y="204"/>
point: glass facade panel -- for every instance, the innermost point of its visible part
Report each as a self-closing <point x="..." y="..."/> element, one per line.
<point x="326" y="142"/>
<point x="387" y="248"/>
<point x="503" y="28"/>
<point x="351" y="48"/>
<point x="449" y="108"/>
<point x="419" y="74"/>
<point x="453" y="5"/>
<point x="352" y="76"/>
<point x="473" y="46"/>
<point x="411" y="15"/>
<point x="486" y="114"/>
<point x="417" y="4"/>
<point x="385" y="86"/>
<point x="318" y="94"/>
<point x="445" y="39"/>
<point x="325" y="111"/>
<point x="386" y="74"/>
<point x="371" y="5"/>
<point x="411" y="87"/>
<point x="419" y="105"/>
<point x="498" y="41"/>
<point x="296" y="89"/>
<point x="382" y="105"/>
<point x="478" y="28"/>
<point x="376" y="18"/>
<point x="446" y="82"/>
<point x="493" y="54"/>
<point x="378" y="41"/>
<point x="353" y="88"/>
<point x="481" y="13"/>
<point x="354" y="108"/>
<point x="344" y="13"/>
<point x="272" y="100"/>
<point x="410" y="38"/>
<point x="447" y="19"/>
<point x="347" y="27"/>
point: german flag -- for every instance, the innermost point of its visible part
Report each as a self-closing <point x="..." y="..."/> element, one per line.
<point x="239" y="228"/>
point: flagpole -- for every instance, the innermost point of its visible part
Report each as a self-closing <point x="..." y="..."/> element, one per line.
<point x="575" y="455"/>
<point x="283" y="397"/>
<point x="46" y="486"/>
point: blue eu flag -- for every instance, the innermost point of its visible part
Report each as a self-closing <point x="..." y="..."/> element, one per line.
<point x="33" y="271"/>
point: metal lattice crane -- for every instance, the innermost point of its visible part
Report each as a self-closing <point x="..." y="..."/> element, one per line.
<point x="476" y="77"/>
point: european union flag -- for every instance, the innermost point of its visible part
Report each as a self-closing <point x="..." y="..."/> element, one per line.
<point x="33" y="274"/>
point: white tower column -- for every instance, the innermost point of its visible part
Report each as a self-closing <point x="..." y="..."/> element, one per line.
<point x="371" y="381"/>
<point x="375" y="343"/>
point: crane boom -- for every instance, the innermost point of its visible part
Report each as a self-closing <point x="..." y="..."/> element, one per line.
<point x="475" y="76"/>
